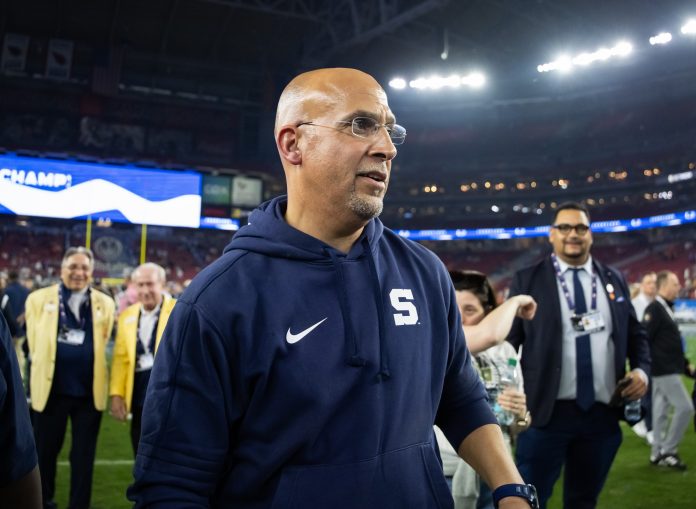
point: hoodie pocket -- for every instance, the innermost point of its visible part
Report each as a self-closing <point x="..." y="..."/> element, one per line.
<point x="406" y="478"/>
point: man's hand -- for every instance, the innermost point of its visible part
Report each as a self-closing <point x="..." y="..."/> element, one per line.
<point x="526" y="306"/>
<point x="636" y="387"/>
<point x="118" y="408"/>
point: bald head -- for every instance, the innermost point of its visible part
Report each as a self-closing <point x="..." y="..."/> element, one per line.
<point x="314" y="93"/>
<point x="336" y="179"/>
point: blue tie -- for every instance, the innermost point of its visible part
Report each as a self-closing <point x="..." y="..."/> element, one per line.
<point x="585" y="387"/>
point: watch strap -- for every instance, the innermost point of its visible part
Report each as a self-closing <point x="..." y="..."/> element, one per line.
<point x="525" y="491"/>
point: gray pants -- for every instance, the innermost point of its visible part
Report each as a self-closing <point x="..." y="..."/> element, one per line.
<point x="669" y="392"/>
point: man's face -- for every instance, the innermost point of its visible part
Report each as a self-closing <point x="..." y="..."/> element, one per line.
<point x="76" y="272"/>
<point x="343" y="174"/>
<point x="571" y="247"/>
<point x="670" y="289"/>
<point x="149" y="287"/>
<point x="648" y="285"/>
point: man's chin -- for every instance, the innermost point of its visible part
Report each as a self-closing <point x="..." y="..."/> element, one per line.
<point x="575" y="255"/>
<point x="366" y="207"/>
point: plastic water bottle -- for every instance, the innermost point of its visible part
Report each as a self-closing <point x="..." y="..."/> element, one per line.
<point x="632" y="411"/>
<point x="508" y="378"/>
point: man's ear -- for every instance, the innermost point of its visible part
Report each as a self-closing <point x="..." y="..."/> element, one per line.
<point x="286" y="140"/>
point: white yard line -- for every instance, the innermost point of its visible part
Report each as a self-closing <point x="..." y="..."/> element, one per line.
<point x="105" y="463"/>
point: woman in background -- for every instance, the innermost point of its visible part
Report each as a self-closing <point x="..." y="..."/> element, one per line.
<point x="486" y="326"/>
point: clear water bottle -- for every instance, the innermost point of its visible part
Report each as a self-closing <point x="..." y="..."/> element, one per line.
<point x="508" y="378"/>
<point x="632" y="411"/>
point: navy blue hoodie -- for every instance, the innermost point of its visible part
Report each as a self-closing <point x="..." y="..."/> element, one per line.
<point x="291" y="375"/>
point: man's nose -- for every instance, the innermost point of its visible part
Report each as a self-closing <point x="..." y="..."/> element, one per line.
<point x="383" y="147"/>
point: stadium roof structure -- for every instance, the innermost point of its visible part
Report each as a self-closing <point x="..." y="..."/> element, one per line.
<point x="618" y="96"/>
<point x="241" y="51"/>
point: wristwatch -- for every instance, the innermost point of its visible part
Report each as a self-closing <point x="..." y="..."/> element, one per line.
<point x="525" y="491"/>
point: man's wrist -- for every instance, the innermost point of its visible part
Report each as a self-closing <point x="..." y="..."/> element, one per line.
<point x="526" y="492"/>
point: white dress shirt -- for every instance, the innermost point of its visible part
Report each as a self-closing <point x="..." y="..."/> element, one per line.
<point x="601" y="344"/>
<point x="641" y="302"/>
<point x="148" y="320"/>
<point x="77" y="297"/>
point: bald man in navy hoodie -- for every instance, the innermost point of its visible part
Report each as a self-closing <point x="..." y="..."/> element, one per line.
<point x="306" y="367"/>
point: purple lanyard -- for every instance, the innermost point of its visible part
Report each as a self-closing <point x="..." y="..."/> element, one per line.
<point x="564" y="286"/>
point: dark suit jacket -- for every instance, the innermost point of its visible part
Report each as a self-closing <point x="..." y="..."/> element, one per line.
<point x="542" y="336"/>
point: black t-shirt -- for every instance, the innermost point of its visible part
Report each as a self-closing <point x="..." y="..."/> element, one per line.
<point x="665" y="341"/>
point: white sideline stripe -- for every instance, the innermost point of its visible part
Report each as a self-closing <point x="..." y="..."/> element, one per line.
<point x="105" y="463"/>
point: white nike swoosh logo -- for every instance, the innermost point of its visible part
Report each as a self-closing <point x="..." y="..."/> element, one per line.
<point x="294" y="338"/>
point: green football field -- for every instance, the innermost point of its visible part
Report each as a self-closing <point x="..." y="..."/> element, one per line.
<point x="632" y="484"/>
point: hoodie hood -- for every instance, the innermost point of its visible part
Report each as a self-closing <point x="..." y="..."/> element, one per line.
<point x="267" y="233"/>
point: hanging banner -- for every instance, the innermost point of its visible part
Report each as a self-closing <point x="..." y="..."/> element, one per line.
<point x="14" y="53"/>
<point x="59" y="59"/>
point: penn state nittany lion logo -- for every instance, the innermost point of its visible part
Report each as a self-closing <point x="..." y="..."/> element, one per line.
<point x="108" y="249"/>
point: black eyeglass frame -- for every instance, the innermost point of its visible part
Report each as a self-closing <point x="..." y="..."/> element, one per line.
<point x="565" y="228"/>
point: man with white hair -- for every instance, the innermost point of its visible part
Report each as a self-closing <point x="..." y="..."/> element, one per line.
<point x="140" y="328"/>
<point x="68" y="326"/>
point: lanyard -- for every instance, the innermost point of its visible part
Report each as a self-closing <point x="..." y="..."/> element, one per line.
<point x="63" y="316"/>
<point x="153" y="334"/>
<point x="566" y="292"/>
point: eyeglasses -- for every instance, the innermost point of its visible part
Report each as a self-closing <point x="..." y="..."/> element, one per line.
<point x="366" y="127"/>
<point x="580" y="229"/>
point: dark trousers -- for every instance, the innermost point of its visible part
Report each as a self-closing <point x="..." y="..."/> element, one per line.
<point x="585" y="442"/>
<point x="136" y="422"/>
<point x="49" y="432"/>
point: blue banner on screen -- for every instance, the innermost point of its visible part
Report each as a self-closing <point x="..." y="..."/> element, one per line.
<point x="32" y="186"/>
<point x="220" y="223"/>
<point x="621" y="225"/>
<point x="685" y="310"/>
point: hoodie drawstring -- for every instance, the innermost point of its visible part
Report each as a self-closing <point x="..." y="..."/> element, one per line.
<point x="354" y="358"/>
<point x="384" y="372"/>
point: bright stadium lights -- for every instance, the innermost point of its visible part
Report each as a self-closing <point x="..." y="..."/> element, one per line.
<point x="474" y="80"/>
<point x="398" y="83"/>
<point x="436" y="82"/>
<point x="661" y="38"/>
<point x="566" y="64"/>
<point x="689" y="28"/>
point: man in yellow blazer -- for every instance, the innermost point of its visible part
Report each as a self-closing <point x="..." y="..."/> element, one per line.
<point x="68" y="327"/>
<point x="140" y="329"/>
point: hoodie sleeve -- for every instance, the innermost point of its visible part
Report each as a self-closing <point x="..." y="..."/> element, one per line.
<point x="464" y="403"/>
<point x="18" y="455"/>
<point x="189" y="417"/>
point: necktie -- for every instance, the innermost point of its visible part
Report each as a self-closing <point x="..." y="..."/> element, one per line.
<point x="585" y="388"/>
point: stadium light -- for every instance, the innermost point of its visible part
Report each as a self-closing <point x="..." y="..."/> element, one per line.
<point x="398" y="83"/>
<point x="661" y="38"/>
<point x="474" y="80"/>
<point x="689" y="28"/>
<point x="566" y="64"/>
<point x="437" y="82"/>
